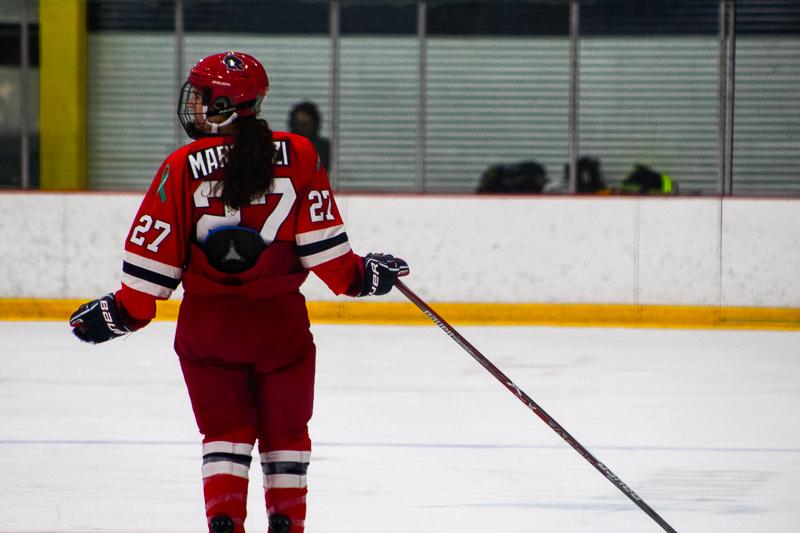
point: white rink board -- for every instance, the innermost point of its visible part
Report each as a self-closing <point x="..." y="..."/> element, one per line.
<point x="758" y="266"/>
<point x="669" y="251"/>
<point x="678" y="252"/>
<point x="472" y="249"/>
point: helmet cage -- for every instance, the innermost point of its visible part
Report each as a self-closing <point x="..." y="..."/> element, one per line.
<point x="190" y="110"/>
<point x="195" y="106"/>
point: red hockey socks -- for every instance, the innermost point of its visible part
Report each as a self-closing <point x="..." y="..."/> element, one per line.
<point x="225" y="468"/>
<point x="285" y="486"/>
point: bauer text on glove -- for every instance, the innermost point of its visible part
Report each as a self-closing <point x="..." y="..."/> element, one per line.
<point x="98" y="321"/>
<point x="380" y="273"/>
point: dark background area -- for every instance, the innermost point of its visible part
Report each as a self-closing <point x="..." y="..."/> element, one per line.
<point x="598" y="17"/>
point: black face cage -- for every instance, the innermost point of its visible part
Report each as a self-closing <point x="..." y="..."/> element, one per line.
<point x="191" y="110"/>
<point x="194" y="109"/>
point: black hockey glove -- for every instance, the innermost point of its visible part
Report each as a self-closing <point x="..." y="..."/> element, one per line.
<point x="98" y="321"/>
<point x="380" y="273"/>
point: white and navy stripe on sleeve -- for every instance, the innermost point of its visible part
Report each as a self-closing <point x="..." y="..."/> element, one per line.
<point x="322" y="245"/>
<point x="149" y="276"/>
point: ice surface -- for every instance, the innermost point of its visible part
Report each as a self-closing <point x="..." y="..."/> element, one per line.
<point x="412" y="435"/>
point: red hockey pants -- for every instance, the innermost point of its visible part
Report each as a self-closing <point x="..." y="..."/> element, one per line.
<point x="249" y="369"/>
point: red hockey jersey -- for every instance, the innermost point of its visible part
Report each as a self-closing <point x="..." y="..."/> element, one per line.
<point x="297" y="219"/>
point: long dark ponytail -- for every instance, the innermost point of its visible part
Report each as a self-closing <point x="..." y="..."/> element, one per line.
<point x="248" y="171"/>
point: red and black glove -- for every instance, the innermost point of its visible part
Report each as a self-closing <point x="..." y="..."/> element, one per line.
<point x="380" y="273"/>
<point x="98" y="321"/>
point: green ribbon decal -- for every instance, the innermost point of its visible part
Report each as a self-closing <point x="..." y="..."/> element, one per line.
<point x="161" y="192"/>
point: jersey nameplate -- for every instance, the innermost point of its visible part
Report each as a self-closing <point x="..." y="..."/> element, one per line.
<point x="281" y="154"/>
<point x="206" y="162"/>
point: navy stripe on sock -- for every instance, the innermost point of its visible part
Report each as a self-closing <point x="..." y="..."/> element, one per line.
<point x="217" y="457"/>
<point x="285" y="467"/>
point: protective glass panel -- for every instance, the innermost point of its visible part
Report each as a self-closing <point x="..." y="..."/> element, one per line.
<point x="649" y="91"/>
<point x="498" y="90"/>
<point x="135" y="73"/>
<point x="766" y="121"/>
<point x="378" y="117"/>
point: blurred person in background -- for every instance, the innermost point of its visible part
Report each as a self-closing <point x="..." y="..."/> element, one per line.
<point x="240" y="216"/>
<point x="305" y="120"/>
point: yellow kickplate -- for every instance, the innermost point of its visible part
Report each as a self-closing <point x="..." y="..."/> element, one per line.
<point x="404" y="313"/>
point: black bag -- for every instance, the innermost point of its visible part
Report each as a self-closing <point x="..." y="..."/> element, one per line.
<point x="524" y="177"/>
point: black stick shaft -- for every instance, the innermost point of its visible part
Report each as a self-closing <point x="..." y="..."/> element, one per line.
<point x="533" y="406"/>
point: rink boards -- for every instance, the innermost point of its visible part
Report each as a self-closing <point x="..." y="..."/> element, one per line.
<point x="683" y="262"/>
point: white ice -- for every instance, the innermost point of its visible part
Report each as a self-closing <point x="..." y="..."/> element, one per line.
<point x="411" y="435"/>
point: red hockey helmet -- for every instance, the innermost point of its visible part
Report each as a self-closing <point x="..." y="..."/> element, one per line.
<point x="221" y="88"/>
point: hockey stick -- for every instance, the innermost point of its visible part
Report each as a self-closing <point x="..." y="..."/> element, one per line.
<point x="533" y="406"/>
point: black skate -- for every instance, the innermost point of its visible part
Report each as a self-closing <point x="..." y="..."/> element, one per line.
<point x="279" y="523"/>
<point x="221" y="524"/>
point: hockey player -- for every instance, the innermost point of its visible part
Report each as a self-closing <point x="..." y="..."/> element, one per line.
<point x="239" y="216"/>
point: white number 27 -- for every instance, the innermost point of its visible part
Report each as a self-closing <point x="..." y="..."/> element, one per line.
<point x="321" y="208"/>
<point x="209" y="189"/>
<point x="145" y="223"/>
